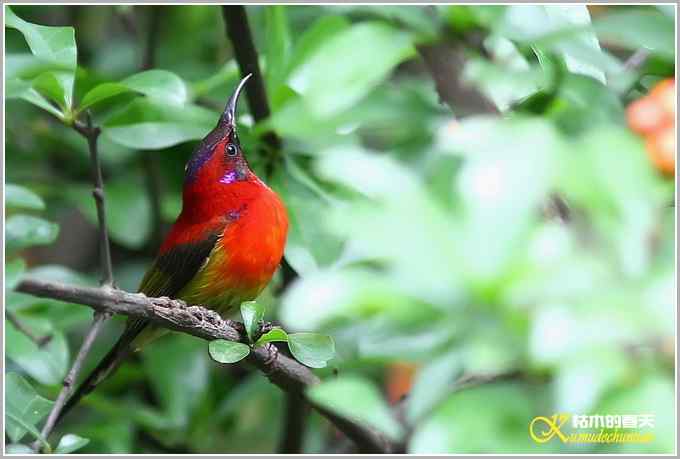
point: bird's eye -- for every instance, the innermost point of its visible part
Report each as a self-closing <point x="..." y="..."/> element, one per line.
<point x="231" y="149"/>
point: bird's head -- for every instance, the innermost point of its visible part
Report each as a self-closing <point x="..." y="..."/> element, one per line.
<point x="218" y="159"/>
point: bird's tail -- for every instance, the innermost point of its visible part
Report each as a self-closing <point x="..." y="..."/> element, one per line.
<point x="108" y="364"/>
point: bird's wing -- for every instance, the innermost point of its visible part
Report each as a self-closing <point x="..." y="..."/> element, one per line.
<point x="171" y="271"/>
<point x="174" y="269"/>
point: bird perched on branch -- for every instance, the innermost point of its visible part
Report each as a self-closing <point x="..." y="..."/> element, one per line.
<point x="222" y="250"/>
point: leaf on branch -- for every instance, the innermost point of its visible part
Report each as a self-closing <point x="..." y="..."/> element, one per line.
<point x="158" y="84"/>
<point x="13" y="272"/>
<point x="24" y="231"/>
<point x="25" y="408"/>
<point x="383" y="47"/>
<point x="19" y="197"/>
<point x="224" y="351"/>
<point x="47" y="364"/>
<point x="54" y="45"/>
<point x="311" y="349"/>
<point x="18" y="448"/>
<point x="252" y="313"/>
<point x="275" y="334"/>
<point x="150" y="124"/>
<point x="70" y="443"/>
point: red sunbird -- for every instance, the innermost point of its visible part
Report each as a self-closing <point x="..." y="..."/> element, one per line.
<point x="222" y="250"/>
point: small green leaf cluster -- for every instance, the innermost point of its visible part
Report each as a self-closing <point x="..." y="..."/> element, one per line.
<point x="311" y="349"/>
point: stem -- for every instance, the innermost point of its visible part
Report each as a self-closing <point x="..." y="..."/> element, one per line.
<point x="150" y="163"/>
<point x="40" y="341"/>
<point x="445" y="63"/>
<point x="636" y="61"/>
<point x="99" y="318"/>
<point x="91" y="134"/>
<point x="238" y="31"/>
<point x="288" y="374"/>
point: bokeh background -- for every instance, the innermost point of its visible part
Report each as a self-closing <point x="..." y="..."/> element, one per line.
<point x="466" y="196"/>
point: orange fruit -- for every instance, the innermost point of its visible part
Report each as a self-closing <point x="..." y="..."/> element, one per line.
<point x="664" y="95"/>
<point x="399" y="380"/>
<point x="661" y="148"/>
<point x="645" y="115"/>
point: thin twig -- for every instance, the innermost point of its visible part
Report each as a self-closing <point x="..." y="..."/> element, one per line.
<point x="97" y="322"/>
<point x="636" y="61"/>
<point x="288" y="374"/>
<point x="150" y="162"/>
<point x="40" y="341"/>
<point x="445" y="62"/>
<point x="91" y="134"/>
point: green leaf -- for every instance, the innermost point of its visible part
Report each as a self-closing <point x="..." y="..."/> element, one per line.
<point x="505" y="78"/>
<point x="223" y="351"/>
<point x="46" y="364"/>
<point x="128" y="210"/>
<point x="432" y="385"/>
<point x="356" y="399"/>
<point x="50" y="84"/>
<point x="278" y="46"/>
<point x="22" y="90"/>
<point x="19" y="197"/>
<point x="504" y="409"/>
<point x="637" y="28"/>
<point x="502" y="184"/>
<point x="314" y="37"/>
<point x="56" y="45"/>
<point x="24" y="409"/>
<point x="229" y="73"/>
<point x="416" y="18"/>
<point x="13" y="272"/>
<point x="70" y="443"/>
<point x="17" y="448"/>
<point x="311" y="349"/>
<point x="275" y="334"/>
<point x="309" y="247"/>
<point x="568" y="27"/>
<point x="24" y="66"/>
<point x="24" y="231"/>
<point x="149" y="124"/>
<point x="382" y="48"/>
<point x="13" y="419"/>
<point x="160" y="84"/>
<point x="252" y="313"/>
<point x="178" y="383"/>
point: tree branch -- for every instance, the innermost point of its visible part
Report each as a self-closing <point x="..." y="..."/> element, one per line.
<point x="295" y="414"/>
<point x="150" y="163"/>
<point x="445" y="62"/>
<point x="238" y="31"/>
<point x="19" y="325"/>
<point x="288" y="374"/>
<point x="91" y="134"/>
<point x="69" y="380"/>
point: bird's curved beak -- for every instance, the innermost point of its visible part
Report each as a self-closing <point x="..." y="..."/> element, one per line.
<point x="229" y="115"/>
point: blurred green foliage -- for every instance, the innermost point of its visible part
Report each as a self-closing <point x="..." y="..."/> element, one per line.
<point x="416" y="238"/>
